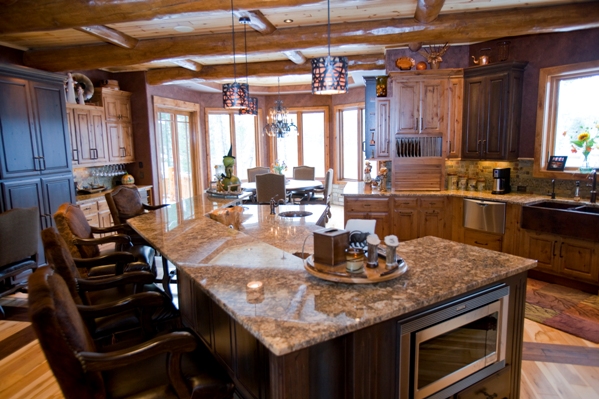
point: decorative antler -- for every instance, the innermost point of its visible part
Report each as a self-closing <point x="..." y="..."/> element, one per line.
<point x="434" y="53"/>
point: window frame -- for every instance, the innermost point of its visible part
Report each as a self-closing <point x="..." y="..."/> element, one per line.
<point x="361" y="107"/>
<point x="549" y="79"/>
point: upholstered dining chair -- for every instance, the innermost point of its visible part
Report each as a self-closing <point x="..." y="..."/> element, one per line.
<point x="19" y="232"/>
<point x="169" y="366"/>
<point x="326" y="191"/>
<point x="303" y="172"/>
<point x="79" y="237"/>
<point x="115" y="308"/>
<point x="258" y="170"/>
<point x="269" y="186"/>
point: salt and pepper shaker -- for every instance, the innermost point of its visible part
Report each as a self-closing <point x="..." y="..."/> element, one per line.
<point x="391" y="242"/>
<point x="577" y="191"/>
<point x="373" y="242"/>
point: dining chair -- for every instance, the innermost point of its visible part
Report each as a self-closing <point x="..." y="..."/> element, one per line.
<point x="303" y="173"/>
<point x="326" y="191"/>
<point x="170" y="366"/>
<point x="258" y="170"/>
<point x="270" y="185"/>
<point x="19" y="232"/>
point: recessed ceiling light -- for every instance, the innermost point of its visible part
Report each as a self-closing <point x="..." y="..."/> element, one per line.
<point x="288" y="21"/>
<point x="183" y="29"/>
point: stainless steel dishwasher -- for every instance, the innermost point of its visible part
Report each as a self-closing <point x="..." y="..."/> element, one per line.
<point x="484" y="215"/>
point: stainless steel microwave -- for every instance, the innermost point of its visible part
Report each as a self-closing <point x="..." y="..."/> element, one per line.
<point x="453" y="346"/>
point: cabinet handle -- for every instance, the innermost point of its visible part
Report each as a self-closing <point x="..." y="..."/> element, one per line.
<point x="421" y="124"/>
<point x="481" y="243"/>
<point x="560" y="250"/>
<point x="405" y="213"/>
<point x="366" y="204"/>
<point x="123" y="152"/>
<point x="487" y="396"/>
<point x="76" y="155"/>
<point x="553" y="248"/>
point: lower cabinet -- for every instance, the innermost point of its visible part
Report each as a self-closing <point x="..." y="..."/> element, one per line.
<point x="496" y="386"/>
<point x="372" y="208"/>
<point x="96" y="212"/>
<point x="415" y="217"/>
<point x="568" y="257"/>
<point x="483" y="239"/>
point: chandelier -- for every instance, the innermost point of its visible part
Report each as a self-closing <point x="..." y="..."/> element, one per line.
<point x="278" y="123"/>
<point x="329" y="74"/>
<point x="235" y="95"/>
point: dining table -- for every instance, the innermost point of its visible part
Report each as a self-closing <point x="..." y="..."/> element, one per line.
<point x="290" y="185"/>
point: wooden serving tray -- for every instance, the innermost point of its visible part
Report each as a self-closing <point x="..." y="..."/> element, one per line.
<point x="365" y="276"/>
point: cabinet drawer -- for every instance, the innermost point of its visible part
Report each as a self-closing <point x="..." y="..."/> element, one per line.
<point x="102" y="205"/>
<point x="93" y="220"/>
<point x="432" y="203"/>
<point x="405" y="202"/>
<point x="367" y="205"/>
<point x="495" y="386"/>
<point x="89" y="208"/>
<point x="483" y="239"/>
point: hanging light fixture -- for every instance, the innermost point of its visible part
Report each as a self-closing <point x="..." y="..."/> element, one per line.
<point x="278" y="125"/>
<point x="252" y="108"/>
<point x="235" y="95"/>
<point x="329" y="74"/>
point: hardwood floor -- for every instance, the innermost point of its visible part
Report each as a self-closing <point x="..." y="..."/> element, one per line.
<point x="556" y="365"/>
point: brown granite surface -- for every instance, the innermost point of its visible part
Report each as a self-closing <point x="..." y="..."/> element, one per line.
<point x="296" y="310"/>
<point x="357" y="188"/>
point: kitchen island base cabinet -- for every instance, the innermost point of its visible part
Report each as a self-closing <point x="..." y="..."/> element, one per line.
<point x="360" y="364"/>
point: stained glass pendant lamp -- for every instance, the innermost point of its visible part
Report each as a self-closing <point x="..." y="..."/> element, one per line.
<point x="329" y="74"/>
<point x="252" y="108"/>
<point x="235" y="95"/>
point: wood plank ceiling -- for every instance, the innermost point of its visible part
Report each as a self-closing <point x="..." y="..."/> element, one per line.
<point x="191" y="42"/>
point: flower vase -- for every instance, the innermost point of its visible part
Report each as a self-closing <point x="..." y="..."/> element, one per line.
<point x="585" y="167"/>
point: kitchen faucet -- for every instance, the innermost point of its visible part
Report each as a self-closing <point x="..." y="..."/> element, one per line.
<point x="593" y="176"/>
<point x="552" y="193"/>
<point x="273" y="205"/>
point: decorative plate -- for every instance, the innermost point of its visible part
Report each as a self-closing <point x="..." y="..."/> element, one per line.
<point x="405" y="63"/>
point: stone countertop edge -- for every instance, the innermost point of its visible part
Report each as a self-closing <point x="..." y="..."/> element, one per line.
<point x="86" y="197"/>
<point x="357" y="189"/>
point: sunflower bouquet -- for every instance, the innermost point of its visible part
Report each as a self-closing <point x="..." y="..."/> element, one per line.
<point x="278" y="167"/>
<point x="584" y="139"/>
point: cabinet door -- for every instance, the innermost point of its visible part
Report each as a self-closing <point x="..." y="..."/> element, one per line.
<point x="73" y="136"/>
<point x="473" y="118"/>
<point x="432" y="117"/>
<point x="541" y="247"/>
<point x="91" y="137"/>
<point x="578" y="258"/>
<point x="494" y="129"/>
<point x="407" y="107"/>
<point x="117" y="107"/>
<point x="120" y="142"/>
<point x="383" y="142"/>
<point x="18" y="145"/>
<point x="454" y="135"/>
<point x="405" y="223"/>
<point x="431" y="223"/>
<point x="51" y="125"/>
<point x="382" y="221"/>
<point x="57" y="190"/>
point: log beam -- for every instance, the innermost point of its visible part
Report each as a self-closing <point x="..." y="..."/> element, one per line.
<point x="110" y="35"/>
<point x="255" y="70"/>
<point x="258" y="21"/>
<point x="295" y="56"/>
<point x="188" y="64"/>
<point x="428" y="10"/>
<point x="63" y="14"/>
<point x="451" y="28"/>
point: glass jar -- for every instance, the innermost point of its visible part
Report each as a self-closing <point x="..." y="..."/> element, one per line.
<point x="452" y="181"/>
<point x="462" y="182"/>
<point x="480" y="184"/>
<point x="472" y="183"/>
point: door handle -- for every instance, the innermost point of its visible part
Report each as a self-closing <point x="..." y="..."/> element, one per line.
<point x="553" y="248"/>
<point x="561" y="246"/>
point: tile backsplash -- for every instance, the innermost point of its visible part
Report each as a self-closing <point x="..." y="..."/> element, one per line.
<point x="520" y="176"/>
<point x="107" y="176"/>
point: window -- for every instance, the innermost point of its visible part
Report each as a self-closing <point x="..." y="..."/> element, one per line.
<point x="350" y="125"/>
<point x="568" y="109"/>
<point x="226" y="128"/>
<point x="311" y="140"/>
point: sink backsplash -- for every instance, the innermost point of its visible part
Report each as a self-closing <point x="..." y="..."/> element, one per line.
<point x="521" y="175"/>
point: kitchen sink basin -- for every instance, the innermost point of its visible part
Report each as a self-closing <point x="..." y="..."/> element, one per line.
<point x="295" y="214"/>
<point x="566" y="219"/>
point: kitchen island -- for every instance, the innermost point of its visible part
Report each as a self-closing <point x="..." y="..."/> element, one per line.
<point x="296" y="336"/>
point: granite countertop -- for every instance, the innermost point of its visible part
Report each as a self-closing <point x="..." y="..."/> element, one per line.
<point x="357" y="189"/>
<point x="297" y="310"/>
<point x="87" y="197"/>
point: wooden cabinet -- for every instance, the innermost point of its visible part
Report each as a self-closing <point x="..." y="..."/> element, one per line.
<point x="568" y="257"/>
<point x="456" y="102"/>
<point x="419" y="105"/>
<point x="483" y="239"/>
<point x="33" y="124"/>
<point x="415" y="217"/>
<point x="496" y="386"/>
<point x="492" y="111"/>
<point x="117" y="112"/>
<point x="383" y="137"/>
<point x="373" y="208"/>
<point x="96" y="212"/>
<point x="88" y="135"/>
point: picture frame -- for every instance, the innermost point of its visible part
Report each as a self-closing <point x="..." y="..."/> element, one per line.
<point x="557" y="162"/>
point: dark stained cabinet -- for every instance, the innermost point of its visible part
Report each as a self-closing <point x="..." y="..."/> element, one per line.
<point x="492" y="111"/>
<point x="35" y="150"/>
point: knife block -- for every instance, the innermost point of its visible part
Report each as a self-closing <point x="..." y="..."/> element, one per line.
<point x="330" y="245"/>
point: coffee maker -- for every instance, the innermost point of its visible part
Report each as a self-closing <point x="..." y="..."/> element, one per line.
<point x="501" y="181"/>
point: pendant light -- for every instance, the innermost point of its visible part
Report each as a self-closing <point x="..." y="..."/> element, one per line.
<point x="329" y="74"/>
<point x="252" y="108"/>
<point x="235" y="95"/>
<point x="278" y="125"/>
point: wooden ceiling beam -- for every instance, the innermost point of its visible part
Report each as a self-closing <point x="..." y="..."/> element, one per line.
<point x="44" y="15"/>
<point x="258" y="21"/>
<point x="110" y="35"/>
<point x="428" y="10"/>
<point x="188" y="64"/>
<point x="295" y="56"/>
<point x="451" y="28"/>
<point x="255" y="70"/>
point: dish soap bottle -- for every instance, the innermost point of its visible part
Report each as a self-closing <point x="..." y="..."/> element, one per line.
<point x="577" y="191"/>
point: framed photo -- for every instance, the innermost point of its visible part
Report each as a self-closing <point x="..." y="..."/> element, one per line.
<point x="557" y="162"/>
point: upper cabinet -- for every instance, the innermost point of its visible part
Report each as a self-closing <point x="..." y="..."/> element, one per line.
<point x="32" y="123"/>
<point x="420" y="105"/>
<point x="117" y="112"/>
<point x="88" y="135"/>
<point x="492" y="110"/>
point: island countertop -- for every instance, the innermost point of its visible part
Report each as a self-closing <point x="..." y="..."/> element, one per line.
<point x="296" y="310"/>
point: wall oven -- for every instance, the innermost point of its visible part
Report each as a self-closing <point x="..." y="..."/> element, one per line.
<point x="449" y="348"/>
